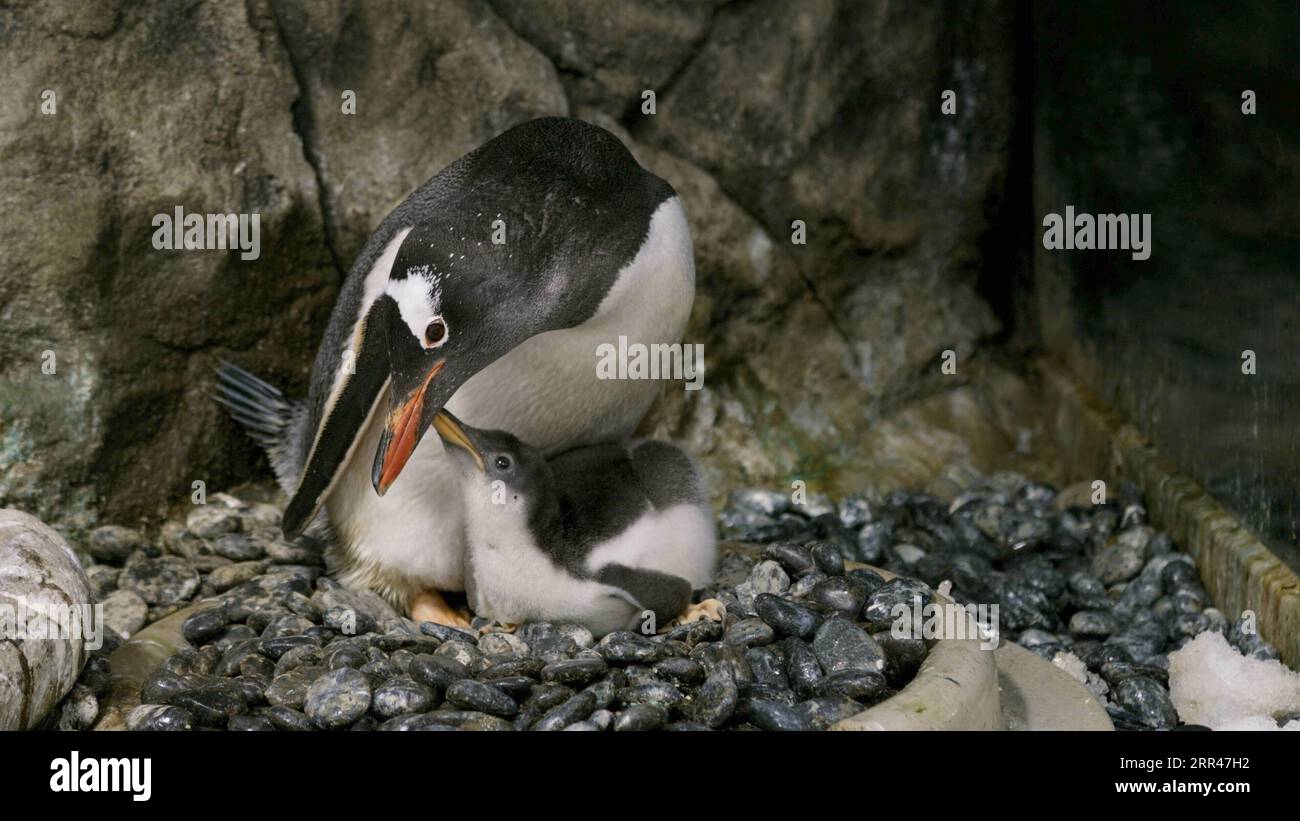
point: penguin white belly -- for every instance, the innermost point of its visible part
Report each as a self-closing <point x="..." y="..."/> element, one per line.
<point x="412" y="537"/>
<point x="513" y="581"/>
<point x="545" y="391"/>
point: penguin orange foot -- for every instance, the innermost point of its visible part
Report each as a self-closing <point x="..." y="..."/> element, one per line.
<point x="429" y="605"/>
<point x="710" y="609"/>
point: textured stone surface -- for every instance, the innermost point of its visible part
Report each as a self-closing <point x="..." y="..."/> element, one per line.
<point x="38" y="572"/>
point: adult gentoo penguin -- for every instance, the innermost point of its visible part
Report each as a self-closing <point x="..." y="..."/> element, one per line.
<point x="487" y="291"/>
<point x="599" y="535"/>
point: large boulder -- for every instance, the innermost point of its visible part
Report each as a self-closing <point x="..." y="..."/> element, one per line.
<point x="155" y="106"/>
<point x="44" y="598"/>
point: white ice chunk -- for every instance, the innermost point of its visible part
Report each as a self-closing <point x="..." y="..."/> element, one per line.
<point x="1212" y="684"/>
<point x="1074" y="665"/>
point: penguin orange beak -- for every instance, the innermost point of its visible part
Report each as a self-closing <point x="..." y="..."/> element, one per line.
<point x="450" y="430"/>
<point x="402" y="432"/>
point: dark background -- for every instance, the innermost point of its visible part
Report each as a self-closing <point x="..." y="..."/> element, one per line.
<point x="1138" y="109"/>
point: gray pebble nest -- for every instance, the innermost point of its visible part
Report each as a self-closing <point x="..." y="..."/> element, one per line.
<point x="806" y="641"/>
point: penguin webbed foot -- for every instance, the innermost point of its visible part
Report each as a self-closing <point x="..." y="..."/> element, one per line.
<point x="710" y="609"/>
<point x="498" y="627"/>
<point x="429" y="605"/>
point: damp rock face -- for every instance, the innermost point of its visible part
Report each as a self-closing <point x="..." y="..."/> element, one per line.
<point x="825" y="138"/>
<point x="40" y="576"/>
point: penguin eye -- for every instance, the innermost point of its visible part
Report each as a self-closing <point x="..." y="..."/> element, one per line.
<point x="503" y="463"/>
<point x="435" y="332"/>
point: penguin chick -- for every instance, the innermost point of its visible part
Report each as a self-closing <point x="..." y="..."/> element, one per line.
<point x="600" y="535"/>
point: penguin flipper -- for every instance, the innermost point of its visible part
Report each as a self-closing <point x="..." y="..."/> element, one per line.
<point x="665" y="594"/>
<point x="269" y="418"/>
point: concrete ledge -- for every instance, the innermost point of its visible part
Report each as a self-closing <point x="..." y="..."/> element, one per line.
<point x="1037" y="695"/>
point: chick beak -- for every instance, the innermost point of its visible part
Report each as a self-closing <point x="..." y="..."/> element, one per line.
<point x="451" y="431"/>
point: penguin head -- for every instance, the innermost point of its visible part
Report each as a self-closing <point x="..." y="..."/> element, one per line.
<point x="445" y="316"/>
<point x="504" y="477"/>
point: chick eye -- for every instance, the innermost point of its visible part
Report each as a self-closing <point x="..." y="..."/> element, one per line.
<point x="503" y="463"/>
<point x="435" y="332"/>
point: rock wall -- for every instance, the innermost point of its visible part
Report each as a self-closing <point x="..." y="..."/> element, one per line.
<point x="766" y="112"/>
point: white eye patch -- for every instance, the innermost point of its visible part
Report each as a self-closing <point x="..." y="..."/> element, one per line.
<point x="419" y="300"/>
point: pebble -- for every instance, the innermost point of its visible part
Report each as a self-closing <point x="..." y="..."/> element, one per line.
<point x="768" y="577"/>
<point x="639" y="717"/>
<point x="772" y="715"/>
<point x="576" y="708"/>
<point x="204" y="625"/>
<point x="1093" y="623"/>
<point x="903" y="657"/>
<point x="624" y="647"/>
<point x="237" y="547"/>
<point x="482" y="722"/>
<point x="879" y="612"/>
<point x="250" y="724"/>
<point x="748" y="633"/>
<point x="337" y="698"/>
<point x="1119" y="562"/>
<point x="827" y="557"/>
<point x="787" y="617"/>
<point x="574" y="671"/>
<point x="802" y="667"/>
<point x="840" y="593"/>
<point x="1147" y="701"/>
<point x="820" y="713"/>
<point x="482" y="697"/>
<point x="660" y="693"/>
<point x="503" y="644"/>
<point x="682" y="670"/>
<point x="113" y="544"/>
<point x="290" y="689"/>
<point x="509" y="667"/>
<point x="103" y="579"/>
<point x="79" y="710"/>
<point x="804" y="637"/>
<point x="437" y="672"/>
<point x="716" y="700"/>
<point x="842" y="645"/>
<point x="399" y="695"/>
<point x="289" y="720"/>
<point x="209" y="521"/>
<point x="125" y="612"/>
<point x="159" y="718"/>
<point x="795" y="559"/>
<point x="210" y="699"/>
<point x="163" y="580"/>
<point x="232" y="575"/>
<point x="858" y="685"/>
